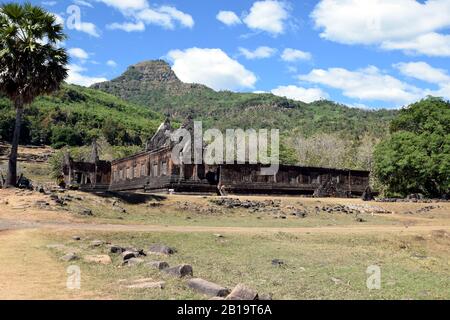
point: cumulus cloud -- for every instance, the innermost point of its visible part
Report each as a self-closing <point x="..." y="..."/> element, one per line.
<point x="269" y="16"/>
<point x="78" y="53"/>
<point x="111" y="63"/>
<point x="229" y="18"/>
<point x="139" y="14"/>
<point x="365" y="84"/>
<point x="259" y="53"/>
<point x="87" y="27"/>
<point x="75" y="76"/>
<point x="407" y="25"/>
<point x="300" y="94"/>
<point x="126" y="6"/>
<point x="83" y="3"/>
<point x="127" y="26"/>
<point x="430" y="44"/>
<point x="293" y="55"/>
<point x="211" y="67"/>
<point x="423" y="71"/>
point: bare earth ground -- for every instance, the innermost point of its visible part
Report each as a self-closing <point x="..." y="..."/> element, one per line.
<point x="333" y="243"/>
<point x="325" y="255"/>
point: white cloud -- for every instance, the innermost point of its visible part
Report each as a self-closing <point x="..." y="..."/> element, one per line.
<point x="127" y="26"/>
<point x="229" y="18"/>
<point x="78" y="53"/>
<point x="141" y="13"/>
<point x="76" y="77"/>
<point x="259" y="53"/>
<point x="430" y="44"/>
<point x="300" y="94"/>
<point x="165" y="17"/>
<point x="365" y="84"/>
<point x="269" y="16"/>
<point x="423" y="71"/>
<point x="83" y="3"/>
<point x="87" y="27"/>
<point x="49" y="3"/>
<point x="211" y="67"/>
<point x="111" y="63"/>
<point x="184" y="19"/>
<point x="126" y="5"/>
<point x="292" y="55"/>
<point x="407" y="25"/>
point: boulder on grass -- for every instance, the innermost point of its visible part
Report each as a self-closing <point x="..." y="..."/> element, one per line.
<point x="161" y="249"/>
<point x="148" y="285"/>
<point x="160" y="265"/>
<point x="133" y="262"/>
<point x="129" y="255"/>
<point x="100" y="259"/>
<point x="241" y="292"/>
<point x="207" y="288"/>
<point x="97" y="243"/>
<point x="116" y="249"/>
<point x="180" y="271"/>
<point x="69" y="257"/>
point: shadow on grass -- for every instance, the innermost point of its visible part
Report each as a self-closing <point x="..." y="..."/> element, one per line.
<point x="129" y="197"/>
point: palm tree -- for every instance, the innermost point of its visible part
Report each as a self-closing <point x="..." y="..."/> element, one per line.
<point x="31" y="62"/>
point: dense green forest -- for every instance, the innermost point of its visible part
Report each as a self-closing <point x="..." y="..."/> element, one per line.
<point x="75" y="115"/>
<point x="416" y="157"/>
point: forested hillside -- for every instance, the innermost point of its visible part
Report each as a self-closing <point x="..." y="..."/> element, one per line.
<point x="336" y="135"/>
<point x="75" y="115"/>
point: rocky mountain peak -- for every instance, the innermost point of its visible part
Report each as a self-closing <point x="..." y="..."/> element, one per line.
<point x="153" y="71"/>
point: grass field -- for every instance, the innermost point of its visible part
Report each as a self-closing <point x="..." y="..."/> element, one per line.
<point x="316" y="266"/>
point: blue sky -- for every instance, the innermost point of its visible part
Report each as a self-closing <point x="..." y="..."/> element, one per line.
<point x="372" y="53"/>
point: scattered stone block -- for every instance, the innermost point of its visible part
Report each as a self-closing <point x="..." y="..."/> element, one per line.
<point x="100" y="259"/>
<point x="161" y="249"/>
<point x="160" y="265"/>
<point x="180" y="271"/>
<point x="69" y="257"/>
<point x="241" y="292"/>
<point x="207" y="288"/>
<point x="86" y="212"/>
<point x="76" y="238"/>
<point x="147" y="285"/>
<point x="133" y="262"/>
<point x="278" y="262"/>
<point x="129" y="255"/>
<point x="116" y="249"/>
<point x="97" y="243"/>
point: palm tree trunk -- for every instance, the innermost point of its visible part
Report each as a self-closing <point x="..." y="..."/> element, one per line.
<point x="11" y="179"/>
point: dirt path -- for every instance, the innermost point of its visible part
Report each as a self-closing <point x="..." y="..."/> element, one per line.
<point x="356" y="229"/>
<point x="28" y="272"/>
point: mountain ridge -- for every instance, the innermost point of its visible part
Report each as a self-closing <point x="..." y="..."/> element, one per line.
<point x="154" y="84"/>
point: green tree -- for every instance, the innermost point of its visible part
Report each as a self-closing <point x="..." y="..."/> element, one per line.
<point x="416" y="157"/>
<point x="31" y="63"/>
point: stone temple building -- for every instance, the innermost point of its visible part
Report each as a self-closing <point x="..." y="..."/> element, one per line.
<point x="153" y="170"/>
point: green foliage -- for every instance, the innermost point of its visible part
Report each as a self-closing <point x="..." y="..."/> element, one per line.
<point x="142" y="84"/>
<point x="74" y="116"/>
<point x="416" y="158"/>
<point x="31" y="61"/>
